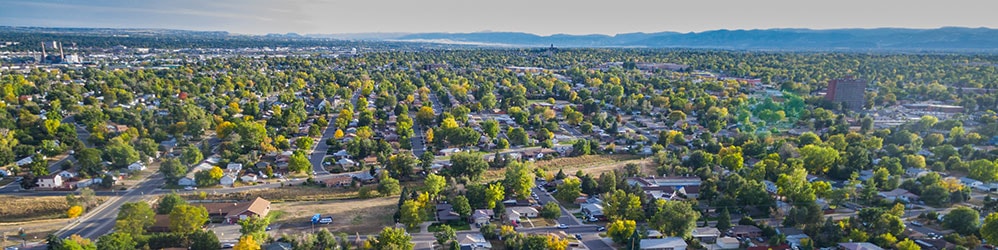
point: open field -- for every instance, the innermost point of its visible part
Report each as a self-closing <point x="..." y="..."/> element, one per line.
<point x="364" y="216"/>
<point x="283" y="194"/>
<point x="24" y="208"/>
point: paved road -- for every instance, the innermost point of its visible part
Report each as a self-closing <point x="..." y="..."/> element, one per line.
<point x="100" y="220"/>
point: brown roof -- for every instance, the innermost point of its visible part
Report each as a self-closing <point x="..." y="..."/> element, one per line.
<point x="162" y="223"/>
<point x="258" y="206"/>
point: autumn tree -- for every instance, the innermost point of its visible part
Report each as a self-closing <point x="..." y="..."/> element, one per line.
<point x="621" y="230"/>
<point x="187" y="219"/>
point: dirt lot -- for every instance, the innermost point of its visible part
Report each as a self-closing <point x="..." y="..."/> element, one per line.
<point x="283" y="194"/>
<point x="364" y="216"/>
<point x="20" y="208"/>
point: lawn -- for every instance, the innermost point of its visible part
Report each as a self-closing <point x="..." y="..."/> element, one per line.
<point x="456" y="225"/>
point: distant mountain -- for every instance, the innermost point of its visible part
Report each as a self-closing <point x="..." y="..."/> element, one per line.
<point x="769" y="39"/>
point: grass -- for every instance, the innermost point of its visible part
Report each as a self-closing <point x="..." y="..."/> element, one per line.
<point x="285" y="194"/>
<point x="19" y="208"/>
<point x="456" y="225"/>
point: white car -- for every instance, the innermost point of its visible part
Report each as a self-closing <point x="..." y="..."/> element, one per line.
<point x="562" y="226"/>
<point x="190" y="188"/>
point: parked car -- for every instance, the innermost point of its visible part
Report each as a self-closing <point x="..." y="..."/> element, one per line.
<point x="326" y="220"/>
<point x="578" y="236"/>
<point x="189" y="188"/>
<point x="601" y="229"/>
<point x="915" y="223"/>
<point x="562" y="226"/>
<point x="228" y="245"/>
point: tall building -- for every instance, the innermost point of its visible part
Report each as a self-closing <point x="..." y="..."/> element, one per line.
<point x="851" y="92"/>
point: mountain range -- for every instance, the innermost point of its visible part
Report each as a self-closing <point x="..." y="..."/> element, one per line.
<point x="948" y="38"/>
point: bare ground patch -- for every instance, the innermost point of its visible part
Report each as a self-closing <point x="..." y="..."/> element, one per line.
<point x="364" y="216"/>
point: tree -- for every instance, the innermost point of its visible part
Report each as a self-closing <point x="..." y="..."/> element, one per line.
<point x="191" y="155"/>
<point x="468" y="164"/>
<point x="434" y="184"/>
<point x="120" y="153"/>
<point x="90" y="161"/>
<point x="983" y="170"/>
<point x="400" y="165"/>
<point x="168" y="202"/>
<point x="75" y="242"/>
<point x="818" y="159"/>
<point x="461" y="206"/>
<point x="299" y="163"/>
<point x="74" y="211"/>
<point x="410" y="213"/>
<point x="446" y="234"/>
<point x="203" y="240"/>
<point x="518" y="136"/>
<point x="963" y="220"/>
<point x="620" y="205"/>
<point x="989" y="230"/>
<point x="187" y="219"/>
<point x="551" y="211"/>
<point x="724" y="221"/>
<point x="908" y="244"/>
<point x="555" y="242"/>
<point x="519" y="180"/>
<point x="491" y="128"/>
<point x="116" y="241"/>
<point x="388" y="186"/>
<point x="569" y="189"/>
<point x="621" y="230"/>
<point x="425" y="116"/>
<point x="304" y="143"/>
<point x="494" y="194"/>
<point x="134" y="217"/>
<point x="393" y="238"/>
<point x="254" y="226"/>
<point x="247" y="243"/>
<point x="675" y="218"/>
<point x="172" y="170"/>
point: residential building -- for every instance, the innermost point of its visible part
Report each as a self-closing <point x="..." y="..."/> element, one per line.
<point x="137" y="166"/>
<point x="339" y="181"/>
<point x="473" y="241"/>
<point x="50" y="181"/>
<point x="232" y="212"/>
<point x="250" y="177"/>
<point x="515" y="213"/>
<point x="593" y="210"/>
<point x="668" y="243"/>
<point x="745" y="231"/>
<point x="482" y="216"/>
<point x="227" y="180"/>
<point x="898" y="194"/>
<point x="858" y="246"/>
<point x="706" y="234"/>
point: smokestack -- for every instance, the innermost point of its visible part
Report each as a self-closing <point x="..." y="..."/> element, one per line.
<point x="43" y="53"/>
<point x="62" y="56"/>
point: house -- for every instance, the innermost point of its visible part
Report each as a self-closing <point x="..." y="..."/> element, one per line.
<point x="858" y="246"/>
<point x="745" y="231"/>
<point x="24" y="161"/>
<point x="339" y="181"/>
<point x="898" y="194"/>
<point x="794" y="236"/>
<point x="365" y="177"/>
<point x="161" y="224"/>
<point x="668" y="243"/>
<point x="482" y="216"/>
<point x="449" y="151"/>
<point x="515" y="213"/>
<point x="232" y="212"/>
<point x="137" y="166"/>
<point x="445" y="212"/>
<point x="706" y="234"/>
<point x="50" y="181"/>
<point x="187" y="181"/>
<point x="593" y="210"/>
<point x="278" y="246"/>
<point x="341" y="154"/>
<point x="234" y="167"/>
<point x="250" y="177"/>
<point x="473" y="241"/>
<point x="227" y="180"/>
<point x="346" y="163"/>
<point x="724" y="243"/>
<point x="771" y="187"/>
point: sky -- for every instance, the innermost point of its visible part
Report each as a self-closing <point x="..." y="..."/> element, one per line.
<point x="542" y="17"/>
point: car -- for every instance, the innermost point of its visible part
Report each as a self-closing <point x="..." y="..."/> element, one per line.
<point x="915" y="223"/>
<point x="578" y="236"/>
<point x="189" y="188"/>
<point x="268" y="228"/>
<point x="562" y="226"/>
<point x="759" y="239"/>
<point x="601" y="229"/>
<point x="228" y="245"/>
<point x="326" y="220"/>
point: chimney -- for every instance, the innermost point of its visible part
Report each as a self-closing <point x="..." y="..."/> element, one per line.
<point x="43" y="52"/>
<point x="62" y="56"/>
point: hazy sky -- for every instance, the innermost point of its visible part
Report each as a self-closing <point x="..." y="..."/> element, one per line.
<point x="534" y="16"/>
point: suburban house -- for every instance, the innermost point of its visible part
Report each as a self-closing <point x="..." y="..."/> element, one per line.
<point x="24" y="161"/>
<point x="50" y="181"/>
<point x="685" y="186"/>
<point x="482" y="216"/>
<point x="723" y="243"/>
<point x="234" y="167"/>
<point x="162" y="224"/>
<point x="232" y="212"/>
<point x="745" y="231"/>
<point x="668" y="243"/>
<point x="706" y="234"/>
<point x="187" y="180"/>
<point x="445" y="212"/>
<point x="339" y="181"/>
<point x="593" y="210"/>
<point x="137" y="166"/>
<point x="898" y="194"/>
<point x="227" y="180"/>
<point x="250" y="177"/>
<point x="66" y="174"/>
<point x="515" y="213"/>
<point x="473" y="241"/>
<point x="858" y="246"/>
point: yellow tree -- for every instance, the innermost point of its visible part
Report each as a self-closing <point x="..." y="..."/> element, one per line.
<point x="339" y="134"/>
<point x="247" y="243"/>
<point x="74" y="211"/>
<point x="429" y="135"/>
<point x="217" y="173"/>
<point x="556" y="243"/>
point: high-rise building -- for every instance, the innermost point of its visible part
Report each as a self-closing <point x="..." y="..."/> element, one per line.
<point x="848" y="91"/>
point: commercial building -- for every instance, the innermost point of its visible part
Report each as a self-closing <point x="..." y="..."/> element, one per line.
<point x="848" y="91"/>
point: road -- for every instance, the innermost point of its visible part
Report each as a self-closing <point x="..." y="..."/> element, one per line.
<point x="100" y="220"/>
<point x="590" y="237"/>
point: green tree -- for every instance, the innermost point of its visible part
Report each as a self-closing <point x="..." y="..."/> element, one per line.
<point x="172" y="170"/>
<point x="254" y="226"/>
<point x="908" y="244"/>
<point x="203" y="240"/>
<point x="304" y="143"/>
<point x="818" y="159"/>
<point x="299" y="163"/>
<point x="963" y="220"/>
<point x="983" y="170"/>
<point x="388" y="186"/>
<point x="90" y="161"/>
<point x="569" y="189"/>
<point x="519" y="179"/>
<point x="989" y="231"/>
<point x="425" y="116"/>
<point x="186" y="219"/>
<point x="468" y="164"/>
<point x="620" y="205"/>
<point x="675" y="218"/>
<point x="120" y="153"/>
<point x="116" y="241"/>
<point x="434" y="184"/>
<point x="393" y="238"/>
<point x="621" y="230"/>
<point x="411" y="213"/>
<point x="493" y="195"/>
<point x="134" y="217"/>
<point x="446" y="234"/>
<point x="461" y="206"/>
<point x="491" y="128"/>
<point x="168" y="202"/>
<point x="191" y="155"/>
<point x="551" y="211"/>
<point x="724" y="221"/>
<point x="75" y="242"/>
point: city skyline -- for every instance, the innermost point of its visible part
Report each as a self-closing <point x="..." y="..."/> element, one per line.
<point x="543" y="18"/>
